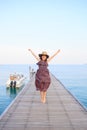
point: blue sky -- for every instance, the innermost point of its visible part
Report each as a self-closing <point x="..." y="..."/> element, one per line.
<point x="43" y="25"/>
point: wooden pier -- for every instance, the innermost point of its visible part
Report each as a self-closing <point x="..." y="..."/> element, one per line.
<point x="60" y="112"/>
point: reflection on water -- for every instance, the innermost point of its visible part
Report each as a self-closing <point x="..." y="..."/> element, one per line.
<point x="12" y="91"/>
<point x="7" y="95"/>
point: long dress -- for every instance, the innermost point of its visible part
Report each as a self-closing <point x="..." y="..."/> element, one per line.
<point x="42" y="78"/>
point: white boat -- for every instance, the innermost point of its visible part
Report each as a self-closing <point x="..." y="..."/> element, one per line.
<point x="16" y="80"/>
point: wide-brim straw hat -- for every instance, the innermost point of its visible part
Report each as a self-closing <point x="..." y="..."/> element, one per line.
<point x="44" y="53"/>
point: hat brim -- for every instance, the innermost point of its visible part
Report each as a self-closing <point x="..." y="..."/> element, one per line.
<point x="40" y="55"/>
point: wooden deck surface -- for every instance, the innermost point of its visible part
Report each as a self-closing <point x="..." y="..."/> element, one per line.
<point x="60" y="112"/>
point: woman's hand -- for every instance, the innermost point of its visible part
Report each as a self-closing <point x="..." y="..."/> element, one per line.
<point x="34" y="54"/>
<point x="50" y="58"/>
<point x="58" y="51"/>
<point x="29" y="49"/>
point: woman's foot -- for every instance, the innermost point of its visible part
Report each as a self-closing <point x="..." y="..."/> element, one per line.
<point x="44" y="100"/>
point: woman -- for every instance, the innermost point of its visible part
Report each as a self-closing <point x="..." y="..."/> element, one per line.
<point x="42" y="78"/>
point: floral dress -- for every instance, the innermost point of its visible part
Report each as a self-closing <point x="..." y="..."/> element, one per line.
<point x="42" y="78"/>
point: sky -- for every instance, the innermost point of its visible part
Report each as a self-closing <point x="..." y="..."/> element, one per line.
<point x="43" y="25"/>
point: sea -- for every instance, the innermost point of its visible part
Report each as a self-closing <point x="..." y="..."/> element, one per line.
<point x="73" y="77"/>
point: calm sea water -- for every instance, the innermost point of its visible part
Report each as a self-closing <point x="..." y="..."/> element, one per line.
<point x="8" y="95"/>
<point x="73" y="77"/>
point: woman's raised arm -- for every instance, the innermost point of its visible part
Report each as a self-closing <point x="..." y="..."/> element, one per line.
<point x="50" y="58"/>
<point x="36" y="57"/>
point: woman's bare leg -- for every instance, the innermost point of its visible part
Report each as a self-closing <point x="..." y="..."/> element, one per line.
<point x="41" y="94"/>
<point x="44" y="97"/>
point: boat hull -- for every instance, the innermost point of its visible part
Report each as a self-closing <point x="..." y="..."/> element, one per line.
<point x="15" y="83"/>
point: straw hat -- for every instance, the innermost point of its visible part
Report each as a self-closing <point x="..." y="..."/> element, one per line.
<point x="44" y="53"/>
